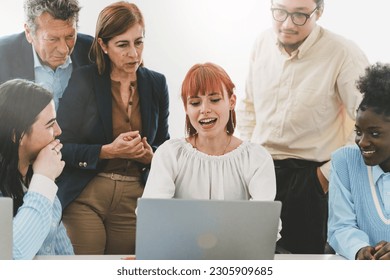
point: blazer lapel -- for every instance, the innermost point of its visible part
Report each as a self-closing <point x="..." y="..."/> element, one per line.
<point x="145" y="92"/>
<point x="24" y="66"/>
<point x="104" y="103"/>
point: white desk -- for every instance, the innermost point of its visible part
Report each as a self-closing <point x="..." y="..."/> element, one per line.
<point x="120" y="257"/>
<point x="308" y="257"/>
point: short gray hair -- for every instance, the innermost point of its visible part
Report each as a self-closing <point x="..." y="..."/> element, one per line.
<point x="67" y="10"/>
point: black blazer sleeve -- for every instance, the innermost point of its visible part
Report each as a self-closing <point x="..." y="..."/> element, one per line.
<point x="79" y="120"/>
<point x="85" y="117"/>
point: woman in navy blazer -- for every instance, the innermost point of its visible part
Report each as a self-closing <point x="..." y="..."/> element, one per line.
<point x="114" y="115"/>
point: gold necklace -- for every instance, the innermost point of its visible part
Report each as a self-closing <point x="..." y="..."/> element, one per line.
<point x="224" y="150"/>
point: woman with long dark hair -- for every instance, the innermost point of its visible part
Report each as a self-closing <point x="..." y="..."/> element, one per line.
<point x="30" y="161"/>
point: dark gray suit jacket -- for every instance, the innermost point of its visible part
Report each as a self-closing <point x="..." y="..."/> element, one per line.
<point x="17" y="60"/>
<point x="85" y="117"/>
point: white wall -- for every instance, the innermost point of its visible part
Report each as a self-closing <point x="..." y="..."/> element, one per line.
<point x="180" y="33"/>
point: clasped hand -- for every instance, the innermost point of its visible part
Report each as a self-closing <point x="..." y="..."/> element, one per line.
<point x="380" y="251"/>
<point x="130" y="145"/>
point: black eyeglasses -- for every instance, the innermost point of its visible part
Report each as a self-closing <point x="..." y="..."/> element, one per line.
<point x="297" y="17"/>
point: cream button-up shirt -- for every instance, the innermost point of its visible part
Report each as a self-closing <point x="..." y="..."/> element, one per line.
<point x="302" y="106"/>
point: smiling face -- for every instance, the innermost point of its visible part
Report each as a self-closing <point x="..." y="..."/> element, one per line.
<point x="44" y="130"/>
<point x="209" y="113"/>
<point x="125" y="50"/>
<point x="290" y="35"/>
<point x="373" y="138"/>
<point x="54" y="39"/>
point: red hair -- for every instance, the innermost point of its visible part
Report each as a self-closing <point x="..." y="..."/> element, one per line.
<point x="204" y="78"/>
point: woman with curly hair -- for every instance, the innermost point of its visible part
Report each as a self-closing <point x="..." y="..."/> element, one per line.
<point x="359" y="191"/>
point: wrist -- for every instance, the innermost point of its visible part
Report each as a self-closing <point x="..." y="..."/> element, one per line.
<point x="106" y="152"/>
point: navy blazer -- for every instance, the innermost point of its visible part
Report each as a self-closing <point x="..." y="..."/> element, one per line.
<point x="17" y="60"/>
<point x="85" y="117"/>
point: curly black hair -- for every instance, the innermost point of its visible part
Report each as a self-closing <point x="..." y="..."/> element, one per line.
<point x="375" y="87"/>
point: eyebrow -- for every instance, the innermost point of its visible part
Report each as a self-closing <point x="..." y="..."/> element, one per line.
<point x="370" y="127"/>
<point x="50" y="121"/>
<point x="297" y="9"/>
<point x="126" y="41"/>
<point x="209" y="94"/>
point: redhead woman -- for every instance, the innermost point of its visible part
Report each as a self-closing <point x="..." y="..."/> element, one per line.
<point x="210" y="162"/>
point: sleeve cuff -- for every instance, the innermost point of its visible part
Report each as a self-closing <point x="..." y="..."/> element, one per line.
<point x="325" y="169"/>
<point x="43" y="185"/>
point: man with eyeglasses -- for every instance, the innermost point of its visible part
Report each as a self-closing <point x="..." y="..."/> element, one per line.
<point x="300" y="104"/>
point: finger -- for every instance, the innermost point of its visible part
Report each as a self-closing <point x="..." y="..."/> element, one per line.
<point x="368" y="256"/>
<point x="145" y="141"/>
<point x="138" y="148"/>
<point x="380" y="245"/>
<point x="139" y="154"/>
<point x="56" y="151"/>
<point x="135" y="133"/>
<point x="382" y="250"/>
<point x="147" y="145"/>
<point x="136" y="141"/>
<point x="130" y="134"/>
<point x="58" y="147"/>
<point x="53" y="143"/>
<point x="385" y="256"/>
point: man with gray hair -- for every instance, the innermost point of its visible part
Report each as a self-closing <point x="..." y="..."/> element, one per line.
<point x="50" y="47"/>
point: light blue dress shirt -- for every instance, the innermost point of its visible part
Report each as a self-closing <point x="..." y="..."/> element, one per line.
<point x="54" y="81"/>
<point x="359" y="203"/>
<point x="382" y="182"/>
<point x="37" y="226"/>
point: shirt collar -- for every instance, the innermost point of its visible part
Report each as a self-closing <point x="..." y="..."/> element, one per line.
<point x="38" y="64"/>
<point x="377" y="173"/>
<point x="306" y="45"/>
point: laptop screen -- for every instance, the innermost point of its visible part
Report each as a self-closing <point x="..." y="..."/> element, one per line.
<point x="206" y="229"/>
<point x="6" y="217"/>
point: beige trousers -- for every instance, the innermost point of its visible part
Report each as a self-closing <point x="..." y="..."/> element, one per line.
<point x="102" y="219"/>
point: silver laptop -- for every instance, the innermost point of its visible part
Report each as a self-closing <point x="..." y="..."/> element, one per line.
<point x="178" y="229"/>
<point x="6" y="216"/>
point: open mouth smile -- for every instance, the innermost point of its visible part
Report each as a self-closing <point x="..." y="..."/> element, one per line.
<point x="208" y="121"/>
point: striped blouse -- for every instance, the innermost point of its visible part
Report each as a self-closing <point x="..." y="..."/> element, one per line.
<point x="37" y="226"/>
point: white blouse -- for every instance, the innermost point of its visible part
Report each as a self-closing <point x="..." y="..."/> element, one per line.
<point x="178" y="170"/>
